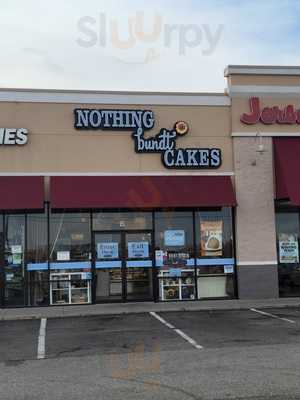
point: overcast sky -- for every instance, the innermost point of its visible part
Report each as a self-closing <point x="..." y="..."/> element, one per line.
<point x="157" y="45"/>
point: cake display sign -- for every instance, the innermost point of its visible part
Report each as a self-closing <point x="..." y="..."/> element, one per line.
<point x="164" y="142"/>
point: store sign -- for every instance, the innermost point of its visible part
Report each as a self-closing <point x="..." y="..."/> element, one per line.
<point x="270" y="115"/>
<point x="108" y="250"/>
<point x="138" y="249"/>
<point x="288" y="249"/>
<point x="13" y="136"/>
<point x="164" y="142"/>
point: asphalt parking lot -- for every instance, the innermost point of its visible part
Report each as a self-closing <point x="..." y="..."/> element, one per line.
<point x="249" y="354"/>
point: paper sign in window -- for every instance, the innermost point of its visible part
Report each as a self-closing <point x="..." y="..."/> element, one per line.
<point x="174" y="238"/>
<point x="288" y="248"/>
<point x="138" y="249"/>
<point x="63" y="256"/>
<point x="109" y="250"/>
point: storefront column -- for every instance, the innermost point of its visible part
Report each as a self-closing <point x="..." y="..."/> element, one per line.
<point x="255" y="219"/>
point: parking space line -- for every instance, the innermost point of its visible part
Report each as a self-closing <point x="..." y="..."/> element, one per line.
<point x="178" y="331"/>
<point x="41" y="353"/>
<point x="163" y="321"/>
<point x="272" y="315"/>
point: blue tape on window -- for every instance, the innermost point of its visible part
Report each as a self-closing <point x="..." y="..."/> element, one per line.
<point x="37" y="267"/>
<point x="215" y="261"/>
<point x="136" y="264"/>
<point x="71" y="265"/>
<point x="108" y="264"/>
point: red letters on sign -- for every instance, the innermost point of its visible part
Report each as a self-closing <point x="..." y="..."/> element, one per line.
<point x="270" y="115"/>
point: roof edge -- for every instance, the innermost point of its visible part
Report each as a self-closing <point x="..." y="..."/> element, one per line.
<point x="262" y="70"/>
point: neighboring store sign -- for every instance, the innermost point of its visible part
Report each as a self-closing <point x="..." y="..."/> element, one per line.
<point x="13" y="136"/>
<point x="163" y="143"/>
<point x="270" y="115"/>
<point x="138" y="249"/>
<point x="174" y="238"/>
<point x="108" y="250"/>
<point x="288" y="249"/>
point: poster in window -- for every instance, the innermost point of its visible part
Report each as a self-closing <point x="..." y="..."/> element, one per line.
<point x="211" y="242"/>
<point x="174" y="238"/>
<point x="288" y="248"/>
<point x="63" y="256"/>
<point x="108" y="250"/>
<point x="138" y="249"/>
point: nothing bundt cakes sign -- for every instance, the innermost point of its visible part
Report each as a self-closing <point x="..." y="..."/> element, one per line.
<point x="164" y="142"/>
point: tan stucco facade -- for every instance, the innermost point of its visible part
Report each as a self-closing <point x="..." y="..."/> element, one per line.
<point x="55" y="146"/>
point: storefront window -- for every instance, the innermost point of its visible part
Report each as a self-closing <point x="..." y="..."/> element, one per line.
<point x="174" y="255"/>
<point x="287" y="224"/>
<point x="37" y="261"/>
<point x="70" y="256"/>
<point x="215" y="263"/>
<point x="110" y="221"/>
<point x="14" y="268"/>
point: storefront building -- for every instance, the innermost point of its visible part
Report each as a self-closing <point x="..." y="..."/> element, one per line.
<point x="151" y="196"/>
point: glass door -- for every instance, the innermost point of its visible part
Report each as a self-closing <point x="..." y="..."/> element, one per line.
<point x="138" y="251"/>
<point x="123" y="266"/>
<point x="108" y="267"/>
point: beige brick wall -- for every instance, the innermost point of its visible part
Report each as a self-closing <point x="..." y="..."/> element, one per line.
<point x="255" y="219"/>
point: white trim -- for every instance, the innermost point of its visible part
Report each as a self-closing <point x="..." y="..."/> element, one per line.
<point x="115" y="98"/>
<point x="261" y="70"/>
<point x="149" y="173"/>
<point x="250" y="263"/>
<point x="267" y="91"/>
<point x="265" y="134"/>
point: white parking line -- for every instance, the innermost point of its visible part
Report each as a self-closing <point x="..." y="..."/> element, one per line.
<point x="42" y="340"/>
<point x="178" y="331"/>
<point x="273" y="316"/>
<point x="163" y="321"/>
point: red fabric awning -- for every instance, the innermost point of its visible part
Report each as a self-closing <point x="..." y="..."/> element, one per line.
<point x="141" y="191"/>
<point x="21" y="192"/>
<point x="287" y="169"/>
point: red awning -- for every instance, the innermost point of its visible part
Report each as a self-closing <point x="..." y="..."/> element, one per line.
<point x="287" y="169"/>
<point x="21" y="192"/>
<point x="141" y="191"/>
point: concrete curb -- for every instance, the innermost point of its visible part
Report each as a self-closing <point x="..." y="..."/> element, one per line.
<point x="138" y="308"/>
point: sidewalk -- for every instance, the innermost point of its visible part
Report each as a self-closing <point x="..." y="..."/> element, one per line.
<point x="141" y="307"/>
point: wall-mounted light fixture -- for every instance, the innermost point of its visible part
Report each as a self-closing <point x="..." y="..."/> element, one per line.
<point x="259" y="142"/>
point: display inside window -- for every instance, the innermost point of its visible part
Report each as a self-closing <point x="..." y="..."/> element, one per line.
<point x="174" y="239"/>
<point x="177" y="284"/>
<point x="70" y="288"/>
<point x="70" y="237"/>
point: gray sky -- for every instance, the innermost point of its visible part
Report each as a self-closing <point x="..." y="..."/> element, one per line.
<point x="142" y="45"/>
